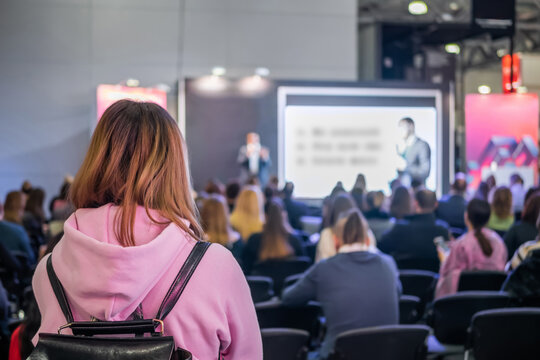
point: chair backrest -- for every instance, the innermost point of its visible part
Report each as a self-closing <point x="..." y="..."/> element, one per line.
<point x="506" y="334"/>
<point x="481" y="280"/>
<point x="278" y="270"/>
<point x="412" y="263"/>
<point x="276" y="315"/>
<point x="419" y="283"/>
<point x="284" y="344"/>
<point x="409" y="309"/>
<point x="289" y="280"/>
<point x="451" y="315"/>
<point x="262" y="288"/>
<point x="398" y="342"/>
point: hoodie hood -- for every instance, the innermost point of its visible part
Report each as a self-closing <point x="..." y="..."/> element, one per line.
<point x="101" y="277"/>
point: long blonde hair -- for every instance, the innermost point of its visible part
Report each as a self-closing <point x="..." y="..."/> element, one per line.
<point x="248" y="215"/>
<point x="215" y="220"/>
<point x="137" y="156"/>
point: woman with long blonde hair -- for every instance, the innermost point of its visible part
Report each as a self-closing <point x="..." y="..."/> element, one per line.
<point x="133" y="229"/>
<point x="248" y="215"/>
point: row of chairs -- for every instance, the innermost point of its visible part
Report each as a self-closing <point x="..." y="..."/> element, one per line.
<point x="499" y="334"/>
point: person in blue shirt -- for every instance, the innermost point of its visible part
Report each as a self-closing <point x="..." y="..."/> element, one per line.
<point x="14" y="238"/>
<point x="357" y="287"/>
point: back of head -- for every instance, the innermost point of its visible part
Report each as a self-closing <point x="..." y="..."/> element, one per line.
<point x="275" y="242"/>
<point x="26" y="187"/>
<point x="482" y="192"/>
<point x="531" y="210"/>
<point x="426" y="200"/>
<point x="478" y="213"/>
<point x="516" y="179"/>
<point x="249" y="203"/>
<point x="360" y="183"/>
<point x="502" y="202"/>
<point x="233" y="189"/>
<point x="214" y="186"/>
<point x="400" y="205"/>
<point x="288" y="190"/>
<point x="460" y="184"/>
<point x="340" y="203"/>
<point x="14" y="207"/>
<point x="215" y="219"/>
<point x="374" y="200"/>
<point x="34" y="203"/>
<point x="351" y="227"/>
<point x="137" y="157"/>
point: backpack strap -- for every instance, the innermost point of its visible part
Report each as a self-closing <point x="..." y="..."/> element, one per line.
<point x="185" y="273"/>
<point x="59" y="291"/>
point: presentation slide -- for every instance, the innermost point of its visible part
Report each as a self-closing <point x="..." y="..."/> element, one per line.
<point x="327" y="144"/>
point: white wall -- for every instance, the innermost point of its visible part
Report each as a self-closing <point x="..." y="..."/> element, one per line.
<point x="53" y="54"/>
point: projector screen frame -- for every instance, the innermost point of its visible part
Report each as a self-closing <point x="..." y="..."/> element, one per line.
<point x="365" y="91"/>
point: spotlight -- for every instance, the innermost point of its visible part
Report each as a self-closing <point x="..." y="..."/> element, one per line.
<point x="452" y="48"/>
<point x="521" y="90"/>
<point x="484" y="89"/>
<point x="132" y="82"/>
<point x="262" y="71"/>
<point x="501" y="52"/>
<point x="219" y="71"/>
<point x="418" y="8"/>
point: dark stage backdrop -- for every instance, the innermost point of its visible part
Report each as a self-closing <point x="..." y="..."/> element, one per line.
<point x="218" y="121"/>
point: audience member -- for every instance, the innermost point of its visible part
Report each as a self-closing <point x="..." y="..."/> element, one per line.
<point x="248" y="215"/>
<point x="411" y="239"/>
<point x="452" y="206"/>
<point x="482" y="193"/>
<point x="478" y="249"/>
<point x="269" y="193"/>
<point x="356" y="288"/>
<point x="60" y="207"/>
<point x="295" y="209"/>
<point x="12" y="235"/>
<point x="401" y="203"/>
<point x="134" y="227"/>
<point x="502" y="216"/>
<point x="326" y="246"/>
<point x="379" y="222"/>
<point x="359" y="191"/>
<point x="518" y="193"/>
<point x="26" y="187"/>
<point x="338" y="189"/>
<point x="231" y="192"/>
<point x="524" y="281"/>
<point x="14" y="207"/>
<point x="216" y="225"/>
<point x="526" y="248"/>
<point x="524" y="230"/>
<point x="34" y="218"/>
<point x="275" y="242"/>
<point x="214" y="186"/>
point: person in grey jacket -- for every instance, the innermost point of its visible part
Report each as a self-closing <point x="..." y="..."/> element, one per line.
<point x="414" y="165"/>
<point x="357" y="287"/>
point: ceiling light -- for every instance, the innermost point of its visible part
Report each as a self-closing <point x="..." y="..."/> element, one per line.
<point x="484" y="89"/>
<point x="418" y="8"/>
<point x="262" y="71"/>
<point x="501" y="52"/>
<point x="521" y="90"/>
<point x="454" y="6"/>
<point x="132" y="82"/>
<point x="452" y="48"/>
<point x="219" y="71"/>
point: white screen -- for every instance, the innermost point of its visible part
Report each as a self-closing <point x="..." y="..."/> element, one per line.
<point x="326" y="144"/>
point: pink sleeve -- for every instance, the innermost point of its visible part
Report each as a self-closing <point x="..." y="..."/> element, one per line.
<point x="245" y="335"/>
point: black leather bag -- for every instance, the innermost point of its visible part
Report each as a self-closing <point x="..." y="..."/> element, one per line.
<point x="83" y="345"/>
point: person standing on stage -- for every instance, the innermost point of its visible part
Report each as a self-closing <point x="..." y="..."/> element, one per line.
<point x="254" y="159"/>
<point x="414" y="155"/>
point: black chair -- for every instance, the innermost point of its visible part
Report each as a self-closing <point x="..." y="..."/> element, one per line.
<point x="451" y="315"/>
<point x="481" y="280"/>
<point x="289" y="280"/>
<point x="398" y="342"/>
<point x="505" y="334"/>
<point x="278" y="270"/>
<point x="409" y="309"/>
<point x="261" y="288"/>
<point x="277" y="315"/>
<point x="284" y="344"/>
<point x="419" y="283"/>
<point x="412" y="263"/>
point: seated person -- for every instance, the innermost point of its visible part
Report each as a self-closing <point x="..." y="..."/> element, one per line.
<point x="525" y="250"/>
<point x="411" y="239"/>
<point x="379" y="221"/>
<point x="452" y="206"/>
<point x="524" y="230"/>
<point x="478" y="249"/>
<point x="295" y="209"/>
<point x="275" y="242"/>
<point x="524" y="281"/>
<point x="502" y="216"/>
<point x="14" y="238"/>
<point x="356" y="288"/>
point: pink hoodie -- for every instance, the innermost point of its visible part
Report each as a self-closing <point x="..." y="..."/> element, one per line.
<point x="108" y="281"/>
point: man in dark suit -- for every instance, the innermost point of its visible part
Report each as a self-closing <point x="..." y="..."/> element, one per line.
<point x="414" y="155"/>
<point x="452" y="206"/>
<point x="254" y="160"/>
<point x="410" y="241"/>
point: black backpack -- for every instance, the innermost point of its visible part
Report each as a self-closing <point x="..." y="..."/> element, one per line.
<point x="82" y="344"/>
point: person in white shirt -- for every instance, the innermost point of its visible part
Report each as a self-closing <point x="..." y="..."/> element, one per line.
<point x="254" y="159"/>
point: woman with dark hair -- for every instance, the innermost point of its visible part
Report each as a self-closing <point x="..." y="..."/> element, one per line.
<point x="401" y="204"/>
<point x="134" y="228"/>
<point x="357" y="287"/>
<point x="502" y="216"/>
<point x="34" y="218"/>
<point x="326" y="246"/>
<point x="478" y="249"/>
<point x="482" y="193"/>
<point x="275" y="242"/>
<point x="524" y="230"/>
<point x="358" y="191"/>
